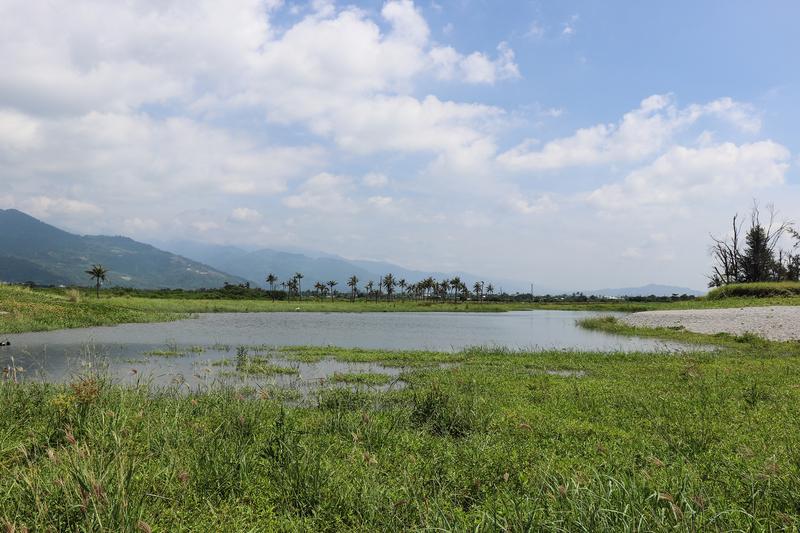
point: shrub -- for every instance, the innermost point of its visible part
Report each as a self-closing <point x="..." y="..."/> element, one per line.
<point x="766" y="289"/>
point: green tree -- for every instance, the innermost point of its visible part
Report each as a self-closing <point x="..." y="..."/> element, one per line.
<point x="271" y="280"/>
<point x="478" y="288"/>
<point x="353" y="284"/>
<point x="332" y="284"/>
<point x="297" y="277"/>
<point x="390" y="283"/>
<point x="758" y="257"/>
<point x="320" y="288"/>
<point x="455" y="283"/>
<point x="98" y="274"/>
<point x="369" y="287"/>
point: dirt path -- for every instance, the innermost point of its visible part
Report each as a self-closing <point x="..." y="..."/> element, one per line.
<point x="774" y="323"/>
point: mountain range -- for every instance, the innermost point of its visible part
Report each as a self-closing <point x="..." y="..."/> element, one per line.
<point x="33" y="251"/>
<point x="315" y="266"/>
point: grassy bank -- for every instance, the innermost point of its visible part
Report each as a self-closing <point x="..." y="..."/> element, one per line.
<point x="611" y="325"/>
<point x="24" y="309"/>
<point x="499" y="441"/>
<point x="767" y="289"/>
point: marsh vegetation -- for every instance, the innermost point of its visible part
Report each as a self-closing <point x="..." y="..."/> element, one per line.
<point x="501" y="440"/>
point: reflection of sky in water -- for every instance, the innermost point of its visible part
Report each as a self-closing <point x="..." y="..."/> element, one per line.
<point x="122" y="348"/>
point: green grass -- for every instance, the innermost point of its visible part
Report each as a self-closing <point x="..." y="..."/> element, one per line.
<point x="783" y="289"/>
<point x="361" y="378"/>
<point x="690" y="441"/>
<point x="611" y="325"/>
<point x="39" y="310"/>
<point x="32" y="310"/>
<point x="165" y="353"/>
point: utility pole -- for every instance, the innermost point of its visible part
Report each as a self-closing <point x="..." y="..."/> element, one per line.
<point x="531" y="292"/>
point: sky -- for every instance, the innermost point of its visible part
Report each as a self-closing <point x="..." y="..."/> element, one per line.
<point x="569" y="144"/>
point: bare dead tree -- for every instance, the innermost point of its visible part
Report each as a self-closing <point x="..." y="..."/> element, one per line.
<point x="726" y="255"/>
<point x="751" y="256"/>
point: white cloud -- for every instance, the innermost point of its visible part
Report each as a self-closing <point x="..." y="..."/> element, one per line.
<point x="543" y="203"/>
<point x="146" y="158"/>
<point x="475" y="67"/>
<point x="640" y="133"/>
<point x="568" y="28"/>
<point x="324" y="192"/>
<point x="245" y="214"/>
<point x="379" y="201"/>
<point x="204" y="226"/>
<point x="375" y="180"/>
<point x="692" y="174"/>
<point x="47" y="206"/>
<point x="138" y="225"/>
<point x="18" y="131"/>
<point x="552" y="112"/>
<point x="535" y="31"/>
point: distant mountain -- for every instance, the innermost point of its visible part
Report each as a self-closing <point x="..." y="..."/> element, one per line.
<point x="31" y="250"/>
<point x="646" y="290"/>
<point x="314" y="265"/>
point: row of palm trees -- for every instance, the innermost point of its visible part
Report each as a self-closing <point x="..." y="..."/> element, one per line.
<point x="426" y="289"/>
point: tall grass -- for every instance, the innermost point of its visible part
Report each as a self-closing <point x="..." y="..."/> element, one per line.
<point x="669" y="442"/>
<point x="767" y="289"/>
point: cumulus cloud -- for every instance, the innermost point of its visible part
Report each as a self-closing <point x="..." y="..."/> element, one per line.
<point x="543" y="203"/>
<point x="18" y="132"/>
<point x="379" y="201"/>
<point x="640" y="133"/>
<point x="245" y="214"/>
<point x="684" y="174"/>
<point x="324" y="192"/>
<point x="375" y="179"/>
<point x="475" y="67"/>
<point x="137" y="225"/>
<point x="45" y="206"/>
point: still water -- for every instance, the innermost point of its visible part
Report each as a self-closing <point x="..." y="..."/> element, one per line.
<point x="124" y="349"/>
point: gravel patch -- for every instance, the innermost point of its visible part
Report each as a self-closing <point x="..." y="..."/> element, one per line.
<point x="780" y="323"/>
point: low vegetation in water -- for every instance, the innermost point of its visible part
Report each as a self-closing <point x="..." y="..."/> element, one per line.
<point x="246" y="363"/>
<point x="361" y="378"/>
<point x="689" y="441"/>
<point x="165" y="353"/>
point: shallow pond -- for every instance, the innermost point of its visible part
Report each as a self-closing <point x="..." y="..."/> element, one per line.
<point x="148" y="352"/>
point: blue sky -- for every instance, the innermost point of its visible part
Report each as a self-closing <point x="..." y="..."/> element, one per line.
<point x="572" y="144"/>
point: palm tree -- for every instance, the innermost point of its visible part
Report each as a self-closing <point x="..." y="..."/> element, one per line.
<point x="353" y="284"/>
<point x="402" y="284"/>
<point x="478" y="288"/>
<point x="428" y="286"/>
<point x="298" y="276"/>
<point x="332" y="283"/>
<point x="455" y="283"/>
<point x="271" y="280"/>
<point x="291" y="286"/>
<point x="390" y="283"/>
<point x="97" y="273"/>
<point x="444" y="288"/>
<point x="369" y="286"/>
<point x="490" y="289"/>
<point x="319" y="287"/>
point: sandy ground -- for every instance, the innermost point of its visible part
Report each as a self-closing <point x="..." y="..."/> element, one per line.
<point x="774" y="323"/>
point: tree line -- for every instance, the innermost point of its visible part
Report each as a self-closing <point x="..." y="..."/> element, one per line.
<point x="757" y="252"/>
<point x="387" y="288"/>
